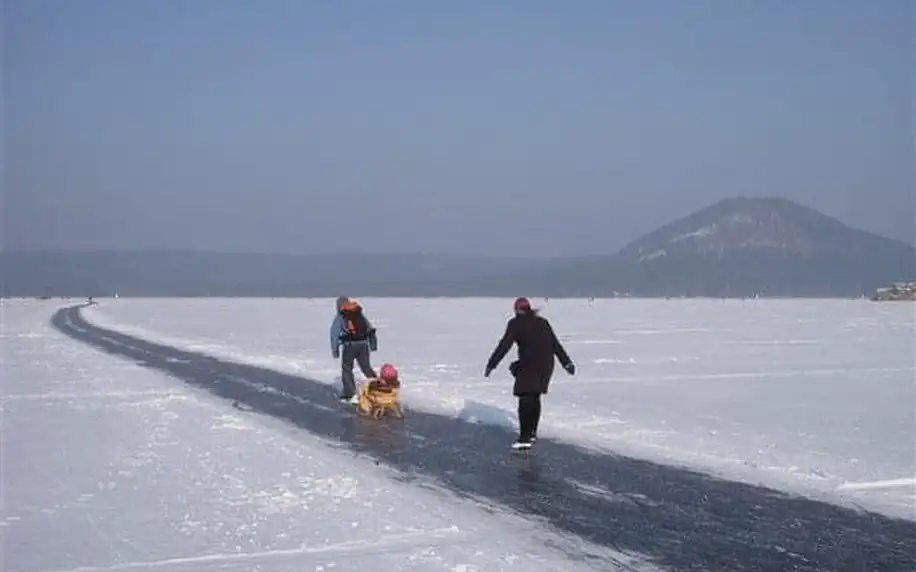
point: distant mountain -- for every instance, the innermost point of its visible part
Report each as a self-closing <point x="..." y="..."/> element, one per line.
<point x="736" y="247"/>
<point x="750" y="246"/>
<point x="745" y="226"/>
<point x="170" y="273"/>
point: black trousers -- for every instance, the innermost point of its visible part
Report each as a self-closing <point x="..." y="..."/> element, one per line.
<point x="529" y="414"/>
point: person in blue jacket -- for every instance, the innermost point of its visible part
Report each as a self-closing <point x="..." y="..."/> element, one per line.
<point x="352" y="339"/>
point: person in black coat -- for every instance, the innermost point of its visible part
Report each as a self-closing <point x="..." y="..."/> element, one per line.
<point x="537" y="347"/>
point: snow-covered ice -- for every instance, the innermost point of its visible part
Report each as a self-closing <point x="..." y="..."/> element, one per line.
<point x="697" y="434"/>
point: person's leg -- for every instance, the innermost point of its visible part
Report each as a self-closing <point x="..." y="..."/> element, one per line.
<point x="364" y="360"/>
<point x="347" y="355"/>
<point x="535" y="415"/>
<point x="522" y="419"/>
<point x="527" y="410"/>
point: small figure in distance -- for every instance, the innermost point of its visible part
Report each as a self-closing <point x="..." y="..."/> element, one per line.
<point x="537" y="346"/>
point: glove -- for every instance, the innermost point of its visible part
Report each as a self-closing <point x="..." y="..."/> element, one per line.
<point x="487" y="370"/>
<point x="570" y="368"/>
<point x="335" y="355"/>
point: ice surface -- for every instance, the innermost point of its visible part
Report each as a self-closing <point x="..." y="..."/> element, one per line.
<point x="108" y="465"/>
<point x="206" y="436"/>
<point x="801" y="394"/>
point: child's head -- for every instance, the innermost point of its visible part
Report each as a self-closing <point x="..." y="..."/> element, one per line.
<point x="349" y="305"/>
<point x="388" y="372"/>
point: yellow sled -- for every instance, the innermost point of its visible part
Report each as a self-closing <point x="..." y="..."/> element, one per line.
<point x="378" y="398"/>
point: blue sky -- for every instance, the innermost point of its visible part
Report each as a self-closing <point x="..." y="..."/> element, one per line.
<point x="513" y="127"/>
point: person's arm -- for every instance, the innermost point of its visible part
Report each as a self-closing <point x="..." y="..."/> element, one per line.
<point x="559" y="350"/>
<point x="373" y="337"/>
<point x="502" y="348"/>
<point x="335" y="336"/>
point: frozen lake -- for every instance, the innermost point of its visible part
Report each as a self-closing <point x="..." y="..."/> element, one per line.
<point x="697" y="434"/>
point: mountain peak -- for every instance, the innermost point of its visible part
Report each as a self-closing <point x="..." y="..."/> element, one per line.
<point x="769" y="246"/>
<point x="743" y="224"/>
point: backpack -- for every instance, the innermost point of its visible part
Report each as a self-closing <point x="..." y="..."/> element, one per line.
<point x="356" y="326"/>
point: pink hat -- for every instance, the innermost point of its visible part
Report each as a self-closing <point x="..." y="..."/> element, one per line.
<point x="388" y="372"/>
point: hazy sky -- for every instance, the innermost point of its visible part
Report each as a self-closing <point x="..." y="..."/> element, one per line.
<point x="479" y="126"/>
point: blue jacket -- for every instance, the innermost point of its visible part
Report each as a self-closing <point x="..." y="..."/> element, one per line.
<point x="338" y="332"/>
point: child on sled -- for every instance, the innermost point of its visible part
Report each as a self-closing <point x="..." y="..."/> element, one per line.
<point x="380" y="395"/>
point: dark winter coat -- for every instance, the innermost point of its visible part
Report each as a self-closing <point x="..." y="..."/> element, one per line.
<point x="537" y="346"/>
